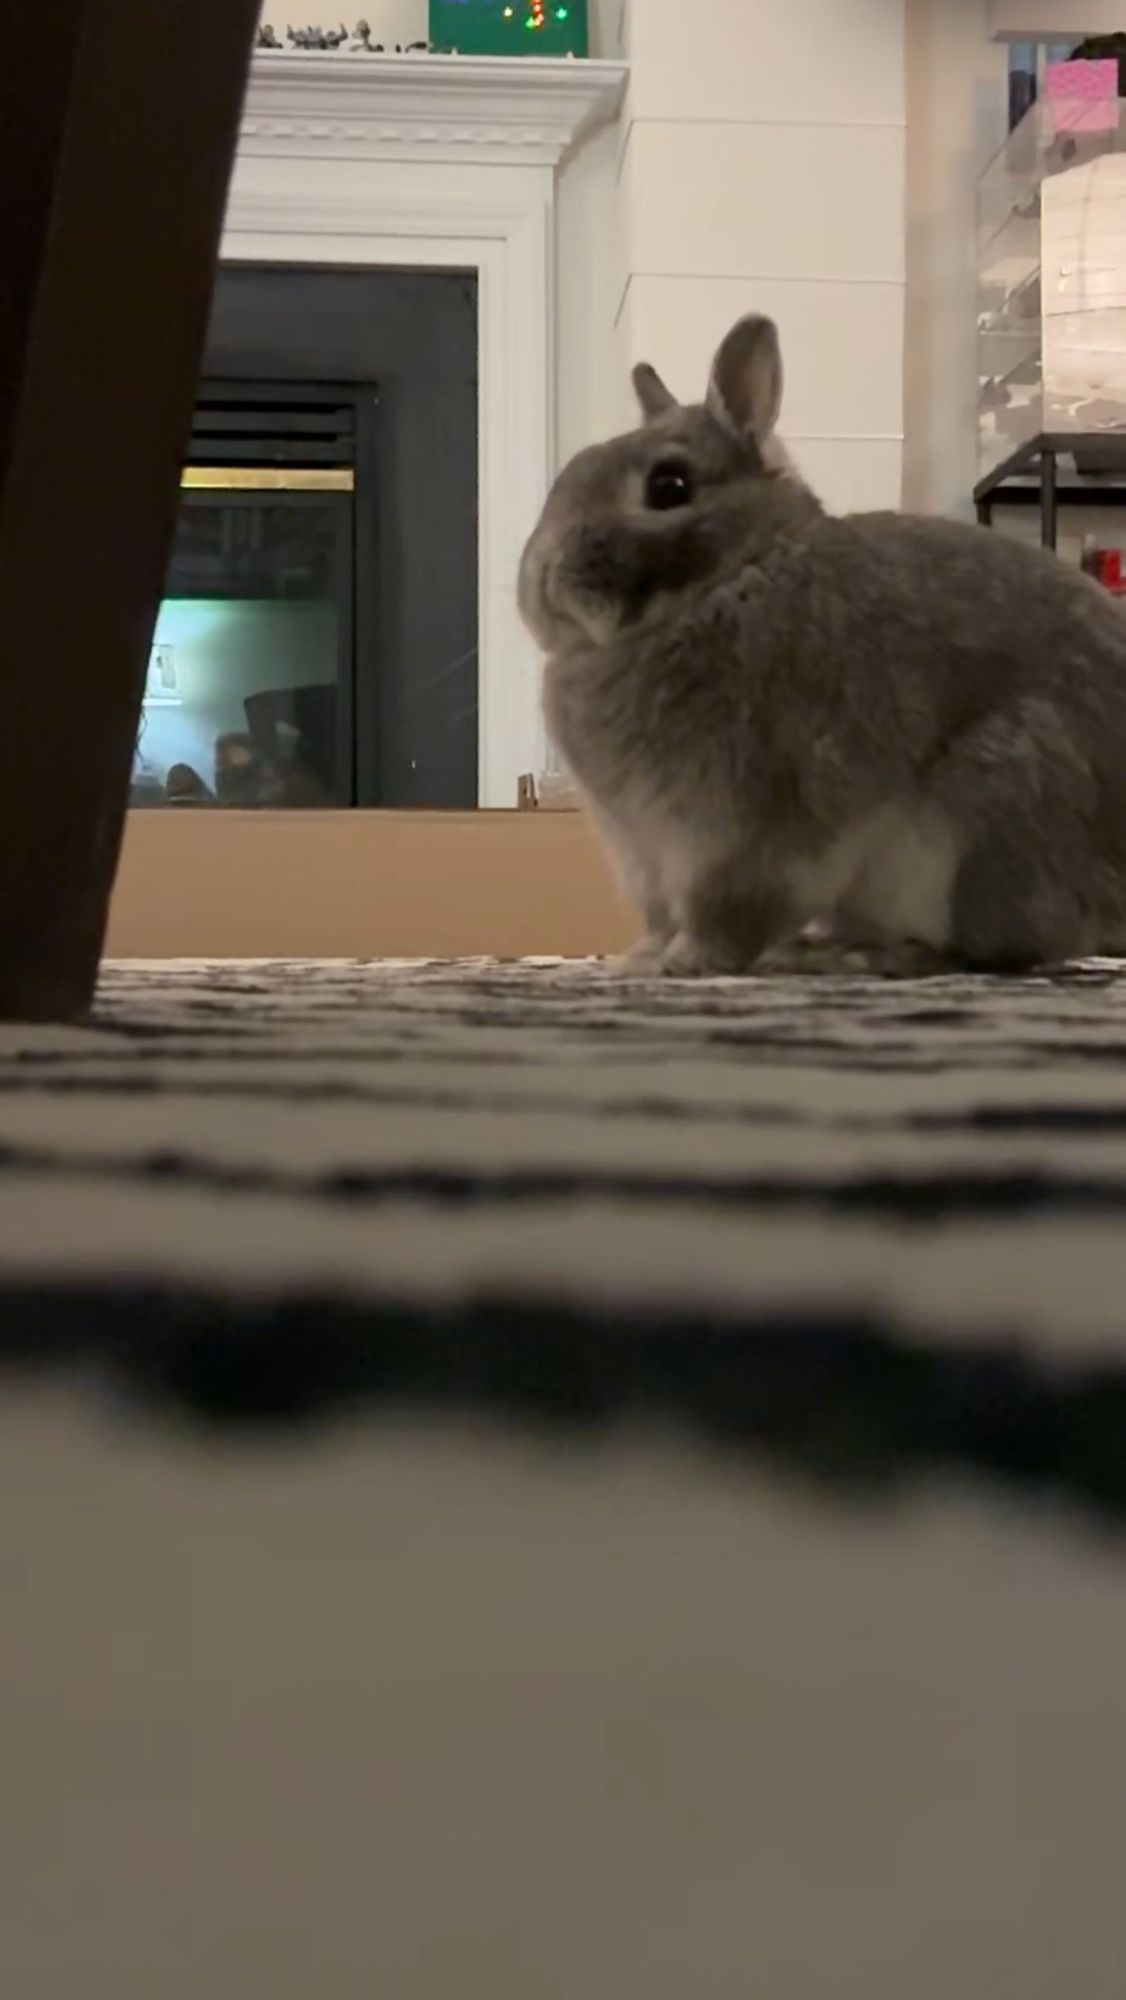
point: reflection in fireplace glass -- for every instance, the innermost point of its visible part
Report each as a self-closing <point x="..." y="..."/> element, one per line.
<point x="243" y="697"/>
<point x="247" y="698"/>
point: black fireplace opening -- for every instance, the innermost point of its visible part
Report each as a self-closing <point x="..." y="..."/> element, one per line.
<point x="317" y="641"/>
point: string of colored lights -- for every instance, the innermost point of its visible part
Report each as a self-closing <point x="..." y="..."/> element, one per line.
<point x="537" y="15"/>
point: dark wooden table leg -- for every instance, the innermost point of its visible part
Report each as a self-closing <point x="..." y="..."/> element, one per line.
<point x="1049" y="500"/>
<point x="118" y="125"/>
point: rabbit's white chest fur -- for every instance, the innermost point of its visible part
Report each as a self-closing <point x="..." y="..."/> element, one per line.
<point x="890" y="877"/>
<point x="893" y="874"/>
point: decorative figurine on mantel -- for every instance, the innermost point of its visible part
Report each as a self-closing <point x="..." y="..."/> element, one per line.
<point x="330" y="40"/>
<point x="317" y="38"/>
<point x="457" y="27"/>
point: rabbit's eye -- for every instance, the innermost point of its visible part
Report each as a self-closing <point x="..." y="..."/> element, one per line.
<point x="669" y="485"/>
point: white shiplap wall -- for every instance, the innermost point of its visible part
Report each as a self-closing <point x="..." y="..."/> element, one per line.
<point x="958" y="113"/>
<point x="1022" y="20"/>
<point x="764" y="168"/>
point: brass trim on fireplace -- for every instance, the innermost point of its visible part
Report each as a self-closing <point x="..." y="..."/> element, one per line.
<point x="268" y="479"/>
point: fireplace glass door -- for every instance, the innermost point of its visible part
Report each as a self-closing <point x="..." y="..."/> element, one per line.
<point x="248" y="700"/>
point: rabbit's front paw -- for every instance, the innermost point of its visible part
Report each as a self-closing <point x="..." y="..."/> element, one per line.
<point x="687" y="958"/>
<point x="641" y="961"/>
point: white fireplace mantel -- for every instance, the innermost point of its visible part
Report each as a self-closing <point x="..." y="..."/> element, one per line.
<point x="455" y="108"/>
<point x="441" y="162"/>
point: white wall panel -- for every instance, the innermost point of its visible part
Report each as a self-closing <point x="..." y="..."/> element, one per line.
<point x="765" y="167"/>
<point x="786" y="201"/>
<point x="843" y="354"/>
<point x="817" y="61"/>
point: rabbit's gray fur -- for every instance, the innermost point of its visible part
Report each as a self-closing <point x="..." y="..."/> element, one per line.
<point x="909" y="729"/>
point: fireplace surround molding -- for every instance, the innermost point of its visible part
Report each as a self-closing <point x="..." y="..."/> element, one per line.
<point x="432" y="162"/>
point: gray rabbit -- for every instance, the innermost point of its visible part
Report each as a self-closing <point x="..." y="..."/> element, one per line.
<point x="910" y="731"/>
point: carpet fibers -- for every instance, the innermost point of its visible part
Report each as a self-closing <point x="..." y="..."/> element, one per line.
<point x="869" y="1231"/>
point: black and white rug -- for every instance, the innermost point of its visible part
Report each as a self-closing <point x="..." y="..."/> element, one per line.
<point x="871" y="1232"/>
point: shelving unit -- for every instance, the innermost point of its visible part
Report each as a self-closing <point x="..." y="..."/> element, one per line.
<point x="1051" y="320"/>
<point x="1030" y="477"/>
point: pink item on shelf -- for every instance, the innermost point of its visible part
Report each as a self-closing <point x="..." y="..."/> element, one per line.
<point x="1082" y="96"/>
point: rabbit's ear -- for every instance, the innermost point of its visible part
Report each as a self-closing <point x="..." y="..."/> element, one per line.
<point x="651" y="392"/>
<point x="745" y="392"/>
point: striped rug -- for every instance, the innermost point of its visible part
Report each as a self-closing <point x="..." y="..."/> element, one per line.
<point x="866" y="1231"/>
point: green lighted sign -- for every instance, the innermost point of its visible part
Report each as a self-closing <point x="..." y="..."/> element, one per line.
<point x="509" y="27"/>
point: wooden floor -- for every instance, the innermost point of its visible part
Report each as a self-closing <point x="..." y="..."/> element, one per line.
<point x="214" y="884"/>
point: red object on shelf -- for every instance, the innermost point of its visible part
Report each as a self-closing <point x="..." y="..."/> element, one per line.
<point x="1105" y="566"/>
